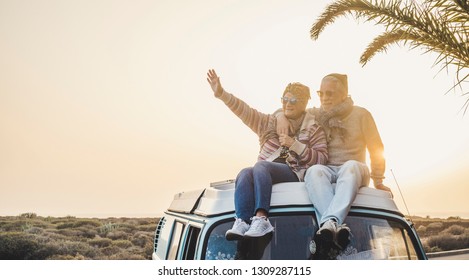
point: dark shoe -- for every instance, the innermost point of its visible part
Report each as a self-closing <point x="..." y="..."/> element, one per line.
<point x="327" y="231"/>
<point x="322" y="249"/>
<point x="343" y="236"/>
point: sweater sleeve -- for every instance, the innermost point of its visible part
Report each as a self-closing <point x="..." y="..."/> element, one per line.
<point x="375" y="148"/>
<point x="254" y="119"/>
<point x="313" y="150"/>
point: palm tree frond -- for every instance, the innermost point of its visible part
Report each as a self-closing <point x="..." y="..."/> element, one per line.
<point x="440" y="26"/>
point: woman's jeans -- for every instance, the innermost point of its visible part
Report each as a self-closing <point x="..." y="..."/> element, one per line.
<point x="334" y="201"/>
<point x="253" y="187"/>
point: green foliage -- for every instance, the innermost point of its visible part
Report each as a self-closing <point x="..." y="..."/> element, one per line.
<point x="124" y="244"/>
<point x="87" y="222"/>
<point x="100" y="242"/>
<point x="146" y="227"/>
<point x="436" y="226"/>
<point x="117" y="234"/>
<point x="422" y="230"/>
<point x="455" y="230"/>
<point x="67" y="257"/>
<point x="438" y="26"/>
<point x="454" y="218"/>
<point x="107" y="228"/>
<point x="26" y="227"/>
<point x="447" y="242"/>
<point x="69" y="238"/>
<point x="17" y="246"/>
<point x="443" y="234"/>
<point x="126" y="256"/>
<point x="110" y="251"/>
<point x="141" y="239"/>
<point x="29" y="215"/>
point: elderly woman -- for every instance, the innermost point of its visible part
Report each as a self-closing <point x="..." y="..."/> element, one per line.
<point x="282" y="158"/>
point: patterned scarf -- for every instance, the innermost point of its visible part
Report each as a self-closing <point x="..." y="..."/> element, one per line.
<point x="271" y="131"/>
<point x="332" y="120"/>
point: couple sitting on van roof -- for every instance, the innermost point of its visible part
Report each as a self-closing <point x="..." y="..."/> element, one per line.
<point x="322" y="146"/>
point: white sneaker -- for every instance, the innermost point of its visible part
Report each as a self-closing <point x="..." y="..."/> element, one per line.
<point x="237" y="231"/>
<point x="260" y="226"/>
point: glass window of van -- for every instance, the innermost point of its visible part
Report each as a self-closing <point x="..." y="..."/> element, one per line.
<point x="378" y="238"/>
<point x="175" y="240"/>
<point x="191" y="243"/>
<point x="372" y="238"/>
<point x="289" y="241"/>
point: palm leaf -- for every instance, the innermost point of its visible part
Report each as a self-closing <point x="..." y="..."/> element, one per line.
<point x="439" y="26"/>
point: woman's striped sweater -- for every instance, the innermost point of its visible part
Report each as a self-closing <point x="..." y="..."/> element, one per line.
<point x="310" y="145"/>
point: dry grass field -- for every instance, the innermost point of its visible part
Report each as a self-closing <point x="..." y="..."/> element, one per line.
<point x="31" y="237"/>
<point x="442" y="234"/>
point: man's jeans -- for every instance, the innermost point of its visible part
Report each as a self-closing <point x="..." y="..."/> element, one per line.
<point x="253" y="187"/>
<point x="334" y="201"/>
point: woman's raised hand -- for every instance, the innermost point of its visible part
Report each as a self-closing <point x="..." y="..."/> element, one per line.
<point x="214" y="82"/>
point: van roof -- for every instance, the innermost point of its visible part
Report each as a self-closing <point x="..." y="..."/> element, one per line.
<point x="219" y="199"/>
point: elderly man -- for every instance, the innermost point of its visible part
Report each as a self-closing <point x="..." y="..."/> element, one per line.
<point x="282" y="158"/>
<point x="350" y="131"/>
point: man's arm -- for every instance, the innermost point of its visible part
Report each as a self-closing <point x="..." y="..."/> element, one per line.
<point x="376" y="150"/>
<point x="283" y="125"/>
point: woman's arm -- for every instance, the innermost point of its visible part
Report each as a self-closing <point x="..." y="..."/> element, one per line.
<point x="313" y="150"/>
<point x="254" y="119"/>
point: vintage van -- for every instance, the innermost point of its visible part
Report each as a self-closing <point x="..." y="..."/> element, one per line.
<point x="194" y="226"/>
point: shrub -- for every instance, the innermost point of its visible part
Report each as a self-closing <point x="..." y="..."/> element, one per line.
<point x="118" y="234"/>
<point x="107" y="228"/>
<point x="110" y="250"/>
<point x="75" y="234"/>
<point x="26" y="226"/>
<point x="124" y="244"/>
<point x="127" y="228"/>
<point x="73" y="247"/>
<point x="126" y="256"/>
<point x="29" y="215"/>
<point x="14" y="226"/>
<point x="17" y="246"/>
<point x="448" y="242"/>
<point x="421" y="230"/>
<point x="86" y="222"/>
<point x="148" y="250"/>
<point x="141" y="239"/>
<point x="100" y="242"/>
<point x="66" y="225"/>
<point x="434" y="227"/>
<point x="47" y="250"/>
<point x="455" y="230"/>
<point x="34" y="230"/>
<point x="89" y="233"/>
<point x="149" y="227"/>
<point x="66" y="257"/>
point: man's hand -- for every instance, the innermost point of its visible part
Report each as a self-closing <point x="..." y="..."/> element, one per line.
<point x="384" y="188"/>
<point x="214" y="82"/>
<point x="283" y="125"/>
<point x="286" y="140"/>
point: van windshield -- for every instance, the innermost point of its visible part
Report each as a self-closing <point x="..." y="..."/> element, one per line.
<point x="372" y="238"/>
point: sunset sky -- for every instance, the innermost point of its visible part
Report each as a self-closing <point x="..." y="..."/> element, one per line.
<point x="105" y="109"/>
